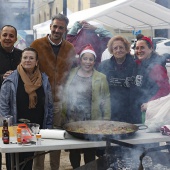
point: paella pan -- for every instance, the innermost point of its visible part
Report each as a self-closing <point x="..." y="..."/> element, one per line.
<point x="97" y="129"/>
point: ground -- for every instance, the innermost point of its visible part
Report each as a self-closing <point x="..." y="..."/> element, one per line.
<point x="64" y="162"/>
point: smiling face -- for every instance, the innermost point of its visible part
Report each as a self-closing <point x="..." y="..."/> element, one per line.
<point x="8" y="38"/>
<point x="29" y="61"/>
<point x="87" y="62"/>
<point x="142" y="50"/>
<point x="58" y="28"/>
<point x="118" y="49"/>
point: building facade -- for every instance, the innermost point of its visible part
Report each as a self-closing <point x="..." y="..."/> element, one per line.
<point x="15" y="12"/>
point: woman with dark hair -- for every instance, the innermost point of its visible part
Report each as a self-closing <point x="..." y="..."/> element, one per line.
<point x="26" y="93"/>
<point x="150" y="77"/>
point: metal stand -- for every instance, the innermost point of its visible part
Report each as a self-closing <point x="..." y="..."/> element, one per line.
<point x="134" y="146"/>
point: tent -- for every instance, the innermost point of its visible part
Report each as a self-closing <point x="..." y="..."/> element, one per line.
<point x="126" y="15"/>
<point x="121" y="14"/>
<point x="42" y="28"/>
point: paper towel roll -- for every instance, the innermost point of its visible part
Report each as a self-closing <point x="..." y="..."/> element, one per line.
<point x="53" y="133"/>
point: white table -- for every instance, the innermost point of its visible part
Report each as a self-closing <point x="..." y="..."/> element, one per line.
<point x="140" y="137"/>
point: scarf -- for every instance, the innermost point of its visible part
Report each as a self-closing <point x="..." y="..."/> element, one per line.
<point x="31" y="84"/>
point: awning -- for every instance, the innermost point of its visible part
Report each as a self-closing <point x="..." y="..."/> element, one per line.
<point x="126" y="15"/>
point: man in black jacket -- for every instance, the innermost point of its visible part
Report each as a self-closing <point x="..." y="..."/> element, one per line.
<point x="9" y="60"/>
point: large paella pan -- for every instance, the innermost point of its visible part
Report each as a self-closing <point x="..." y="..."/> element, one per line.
<point x="97" y="129"/>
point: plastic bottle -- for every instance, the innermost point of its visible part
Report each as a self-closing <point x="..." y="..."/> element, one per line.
<point x="38" y="139"/>
<point x="5" y="132"/>
<point x="19" y="135"/>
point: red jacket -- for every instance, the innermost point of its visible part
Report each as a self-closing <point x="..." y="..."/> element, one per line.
<point x="85" y="37"/>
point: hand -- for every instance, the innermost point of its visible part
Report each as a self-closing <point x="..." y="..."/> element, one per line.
<point x="144" y="107"/>
<point x="7" y="74"/>
<point x="87" y="26"/>
<point x="83" y="22"/>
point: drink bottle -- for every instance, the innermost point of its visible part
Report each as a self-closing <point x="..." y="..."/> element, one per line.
<point x="5" y="132"/>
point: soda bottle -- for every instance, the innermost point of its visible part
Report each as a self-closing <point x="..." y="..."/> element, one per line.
<point x="5" y="132"/>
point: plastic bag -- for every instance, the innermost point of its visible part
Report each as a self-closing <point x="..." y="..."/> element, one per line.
<point x="158" y="114"/>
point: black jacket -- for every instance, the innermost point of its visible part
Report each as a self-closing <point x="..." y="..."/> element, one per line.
<point x="148" y="86"/>
<point x="119" y="79"/>
<point x="8" y="61"/>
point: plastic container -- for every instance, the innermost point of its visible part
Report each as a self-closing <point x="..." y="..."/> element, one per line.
<point x="26" y="135"/>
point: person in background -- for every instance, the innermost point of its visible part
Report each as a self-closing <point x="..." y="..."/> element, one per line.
<point x="87" y="97"/>
<point x="150" y="78"/>
<point x="26" y="94"/>
<point x="9" y="56"/>
<point x="83" y="33"/>
<point x="56" y="58"/>
<point x="118" y="70"/>
<point x="138" y="37"/>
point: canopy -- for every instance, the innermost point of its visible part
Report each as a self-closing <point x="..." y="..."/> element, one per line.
<point x="42" y="28"/>
<point x="126" y="15"/>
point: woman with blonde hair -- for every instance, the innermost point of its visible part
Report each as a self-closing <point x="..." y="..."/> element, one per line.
<point x="118" y="70"/>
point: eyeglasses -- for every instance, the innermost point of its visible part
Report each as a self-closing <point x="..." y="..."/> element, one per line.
<point x="118" y="48"/>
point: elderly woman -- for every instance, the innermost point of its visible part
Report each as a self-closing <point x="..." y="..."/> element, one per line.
<point x="118" y="70"/>
<point x="151" y="79"/>
<point x="26" y="93"/>
<point x="87" y="97"/>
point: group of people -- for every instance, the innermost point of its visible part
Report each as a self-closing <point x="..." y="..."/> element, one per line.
<point x="47" y="84"/>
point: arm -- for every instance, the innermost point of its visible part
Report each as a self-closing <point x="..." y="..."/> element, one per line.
<point x="4" y="76"/>
<point x="103" y="32"/>
<point x="159" y="75"/>
<point x="5" y="99"/>
<point x="98" y="30"/>
<point x="74" y="29"/>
